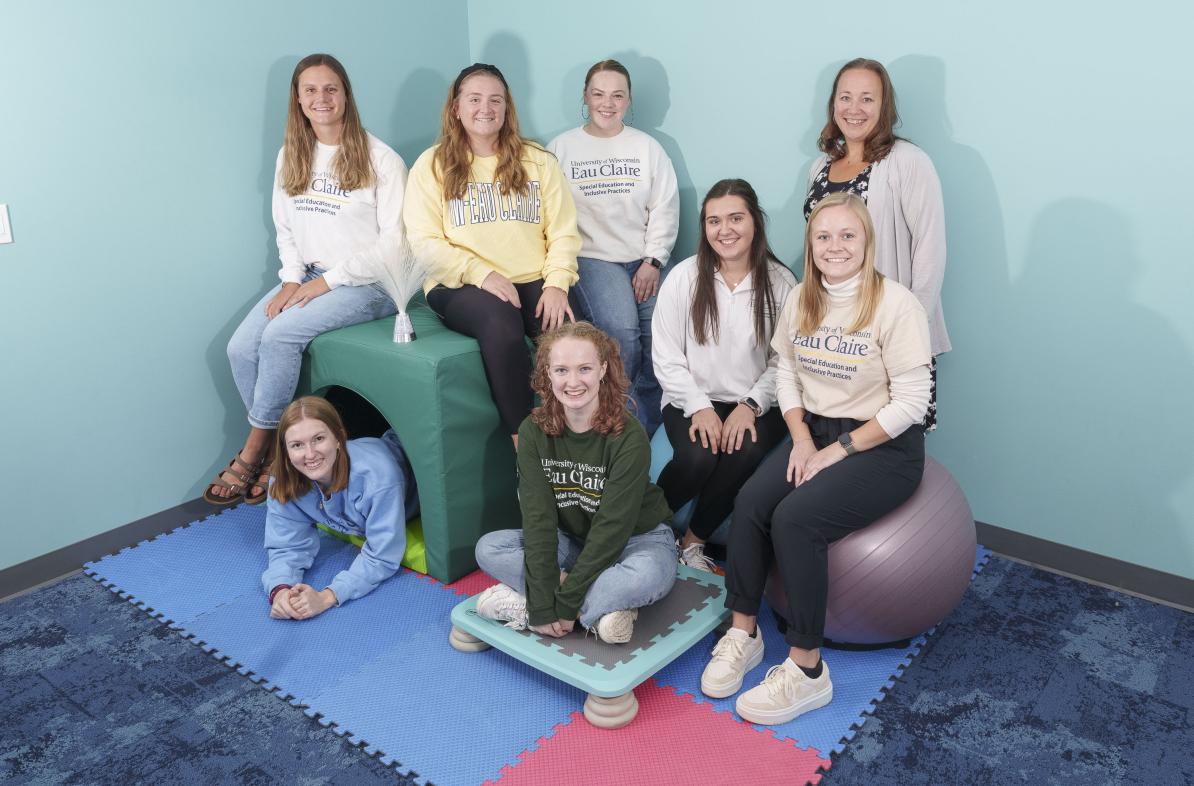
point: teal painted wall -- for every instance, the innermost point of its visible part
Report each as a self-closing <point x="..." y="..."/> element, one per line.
<point x="137" y="148"/>
<point x="1065" y="403"/>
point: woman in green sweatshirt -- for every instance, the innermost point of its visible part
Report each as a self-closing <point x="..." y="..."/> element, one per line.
<point x="595" y="545"/>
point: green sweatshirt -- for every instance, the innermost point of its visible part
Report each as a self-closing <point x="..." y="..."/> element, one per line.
<point x="591" y="486"/>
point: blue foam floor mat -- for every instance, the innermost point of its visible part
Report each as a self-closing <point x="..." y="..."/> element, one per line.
<point x="860" y="679"/>
<point x="378" y="669"/>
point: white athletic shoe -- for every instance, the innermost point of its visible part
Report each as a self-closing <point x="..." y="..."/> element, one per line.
<point x="735" y="653"/>
<point x="503" y="604"/>
<point x="694" y="557"/>
<point x="785" y="693"/>
<point x="616" y="627"/>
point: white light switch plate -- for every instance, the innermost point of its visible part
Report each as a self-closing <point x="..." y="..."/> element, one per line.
<point x="5" y="226"/>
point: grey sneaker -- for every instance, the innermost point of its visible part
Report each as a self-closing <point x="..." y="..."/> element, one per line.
<point x="735" y="654"/>
<point x="785" y="693"/>
<point x="616" y="627"/>
<point x="694" y="557"/>
<point x="503" y="604"/>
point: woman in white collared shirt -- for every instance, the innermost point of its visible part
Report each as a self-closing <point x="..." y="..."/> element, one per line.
<point x="711" y="329"/>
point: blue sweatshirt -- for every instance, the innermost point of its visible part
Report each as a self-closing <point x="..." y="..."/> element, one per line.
<point x="380" y="496"/>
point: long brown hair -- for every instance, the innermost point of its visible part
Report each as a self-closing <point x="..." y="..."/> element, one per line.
<point x="454" y="158"/>
<point x="705" y="318"/>
<point x="611" y="398"/>
<point x="351" y="164"/>
<point x="879" y="143"/>
<point x="289" y="483"/>
<point x="814" y="300"/>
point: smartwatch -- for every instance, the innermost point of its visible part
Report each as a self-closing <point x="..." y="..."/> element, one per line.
<point x="653" y="262"/>
<point x="847" y="442"/>
<point x="754" y="405"/>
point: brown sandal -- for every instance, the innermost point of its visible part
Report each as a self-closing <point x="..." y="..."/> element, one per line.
<point x="238" y="469"/>
<point x="262" y="481"/>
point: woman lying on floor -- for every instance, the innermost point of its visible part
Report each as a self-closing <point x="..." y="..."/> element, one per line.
<point x="595" y="545"/>
<point x="362" y="487"/>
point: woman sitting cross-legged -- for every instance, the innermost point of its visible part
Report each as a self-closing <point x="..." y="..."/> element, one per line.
<point x="595" y="545"/>
<point x="712" y="327"/>
<point x="363" y="487"/>
<point x="853" y="384"/>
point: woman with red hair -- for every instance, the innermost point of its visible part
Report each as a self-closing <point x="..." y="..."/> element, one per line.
<point x="595" y="545"/>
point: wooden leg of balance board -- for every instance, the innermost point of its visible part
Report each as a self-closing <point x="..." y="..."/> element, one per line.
<point x="465" y="642"/>
<point x="612" y="713"/>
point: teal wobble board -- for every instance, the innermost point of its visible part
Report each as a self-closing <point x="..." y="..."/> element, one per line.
<point x="663" y="632"/>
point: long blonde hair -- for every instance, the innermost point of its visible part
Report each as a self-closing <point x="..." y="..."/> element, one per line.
<point x="453" y="156"/>
<point x="814" y="300"/>
<point x="351" y="164"/>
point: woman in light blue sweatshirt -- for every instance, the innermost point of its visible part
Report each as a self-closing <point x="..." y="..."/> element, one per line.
<point x="364" y="488"/>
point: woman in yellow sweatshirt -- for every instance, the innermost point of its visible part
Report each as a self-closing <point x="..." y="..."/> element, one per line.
<point x="492" y="217"/>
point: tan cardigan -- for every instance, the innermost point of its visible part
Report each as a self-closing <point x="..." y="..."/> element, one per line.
<point x="905" y="203"/>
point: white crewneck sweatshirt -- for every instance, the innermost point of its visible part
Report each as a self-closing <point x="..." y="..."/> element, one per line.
<point x="349" y="234"/>
<point x="627" y="201"/>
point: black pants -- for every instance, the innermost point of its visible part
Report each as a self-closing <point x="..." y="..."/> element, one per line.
<point x="795" y="525"/>
<point x="500" y="329"/>
<point x="712" y="479"/>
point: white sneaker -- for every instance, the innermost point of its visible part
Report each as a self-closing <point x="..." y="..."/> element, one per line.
<point x="694" y="557"/>
<point x="503" y="604"/>
<point x="616" y="627"/>
<point x="785" y="692"/>
<point x="735" y="653"/>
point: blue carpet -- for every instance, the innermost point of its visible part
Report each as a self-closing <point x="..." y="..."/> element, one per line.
<point x="1037" y="678"/>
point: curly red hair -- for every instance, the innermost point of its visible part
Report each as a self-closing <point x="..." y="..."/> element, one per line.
<point x="611" y="398"/>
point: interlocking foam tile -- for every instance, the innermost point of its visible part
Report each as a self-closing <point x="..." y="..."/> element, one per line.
<point x="860" y="680"/>
<point x="454" y="717"/>
<point x="194" y="568"/>
<point x="670" y="741"/>
<point x="302" y="659"/>
<point x="378" y="669"/>
<point x="475" y="582"/>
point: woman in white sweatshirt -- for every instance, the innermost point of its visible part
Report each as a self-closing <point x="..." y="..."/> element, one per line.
<point x="337" y="208"/>
<point x="628" y="214"/>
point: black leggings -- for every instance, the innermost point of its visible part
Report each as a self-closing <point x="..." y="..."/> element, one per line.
<point x="794" y="526"/>
<point x="696" y="472"/>
<point x="501" y="330"/>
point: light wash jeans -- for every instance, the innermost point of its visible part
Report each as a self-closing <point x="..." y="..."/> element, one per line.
<point x="604" y="295"/>
<point x="266" y="353"/>
<point x="643" y="574"/>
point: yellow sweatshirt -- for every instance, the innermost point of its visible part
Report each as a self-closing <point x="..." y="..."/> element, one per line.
<point x="524" y="237"/>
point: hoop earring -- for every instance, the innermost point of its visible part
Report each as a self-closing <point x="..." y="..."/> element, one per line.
<point x="584" y="113"/>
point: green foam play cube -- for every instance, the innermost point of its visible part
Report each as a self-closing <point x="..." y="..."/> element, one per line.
<point x="434" y="394"/>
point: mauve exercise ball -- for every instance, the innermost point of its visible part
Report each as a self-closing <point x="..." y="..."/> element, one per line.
<point x="903" y="574"/>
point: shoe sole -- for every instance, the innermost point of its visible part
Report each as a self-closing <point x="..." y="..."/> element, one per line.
<point x="724" y="692"/>
<point x="775" y="718"/>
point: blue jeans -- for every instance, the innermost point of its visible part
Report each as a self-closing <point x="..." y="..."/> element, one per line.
<point x="604" y="295"/>
<point x="643" y="574"/>
<point x="266" y="353"/>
